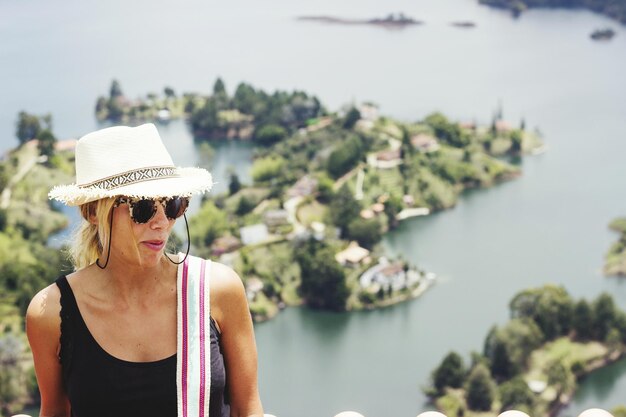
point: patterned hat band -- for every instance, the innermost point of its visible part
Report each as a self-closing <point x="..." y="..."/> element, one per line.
<point x="133" y="177"/>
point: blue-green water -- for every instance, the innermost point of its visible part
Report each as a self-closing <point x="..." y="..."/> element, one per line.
<point x="549" y="226"/>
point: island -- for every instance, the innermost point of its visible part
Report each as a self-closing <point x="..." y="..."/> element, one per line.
<point x="392" y="21"/>
<point x="615" y="9"/>
<point x="602" y="34"/>
<point x="533" y="362"/>
<point x="615" y="260"/>
<point x="326" y="187"/>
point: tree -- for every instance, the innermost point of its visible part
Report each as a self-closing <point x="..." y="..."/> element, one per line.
<point x="480" y="389"/>
<point x="516" y="143"/>
<point x="244" y="206"/>
<point x="509" y="348"/>
<point x="270" y="134"/>
<point x="219" y="88"/>
<point x="366" y="232"/>
<point x="246" y="99"/>
<point x="560" y="377"/>
<point x="169" y="92"/>
<point x="345" y="156"/>
<point x="582" y="322"/>
<point x="204" y="120"/>
<point x="449" y="133"/>
<point x="234" y="184"/>
<point x="515" y="394"/>
<point x="393" y="206"/>
<point x="207" y="225"/>
<point x="550" y="307"/>
<point x="450" y="373"/>
<point x="351" y="118"/>
<point x="343" y="208"/>
<point x="115" y="90"/>
<point x="605" y="314"/>
<point x="3" y="219"/>
<point x="323" y="280"/>
<point x="28" y="127"/>
<point x="47" y="142"/>
<point x="325" y="191"/>
<point x="268" y="168"/>
<point x="502" y="366"/>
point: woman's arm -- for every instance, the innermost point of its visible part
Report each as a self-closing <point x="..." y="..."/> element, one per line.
<point x="231" y="312"/>
<point x="43" y="327"/>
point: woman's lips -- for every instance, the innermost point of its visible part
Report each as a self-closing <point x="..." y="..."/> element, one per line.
<point x="155" y="245"/>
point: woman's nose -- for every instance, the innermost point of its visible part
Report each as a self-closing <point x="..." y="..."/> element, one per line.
<point x="159" y="219"/>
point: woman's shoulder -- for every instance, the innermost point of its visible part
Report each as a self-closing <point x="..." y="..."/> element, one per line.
<point x="225" y="281"/>
<point x="227" y="291"/>
<point x="43" y="317"/>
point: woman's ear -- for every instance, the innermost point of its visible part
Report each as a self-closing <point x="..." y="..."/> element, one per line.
<point x="91" y="214"/>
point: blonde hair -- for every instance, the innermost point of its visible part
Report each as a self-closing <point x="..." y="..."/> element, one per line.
<point x="92" y="235"/>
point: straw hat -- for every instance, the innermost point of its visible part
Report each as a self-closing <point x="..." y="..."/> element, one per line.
<point x="128" y="161"/>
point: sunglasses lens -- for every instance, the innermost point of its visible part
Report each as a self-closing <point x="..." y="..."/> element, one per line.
<point x="143" y="210"/>
<point x="176" y="207"/>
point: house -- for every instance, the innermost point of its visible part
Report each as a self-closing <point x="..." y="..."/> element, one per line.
<point x="254" y="234"/>
<point x="368" y="111"/>
<point x="319" y="230"/>
<point x="367" y="214"/>
<point x="275" y="218"/>
<point x="425" y="143"/>
<point x="502" y="126"/>
<point x="253" y="286"/>
<point x="65" y="145"/>
<point x="378" y="208"/>
<point x="304" y="187"/>
<point x="385" y="159"/>
<point x="322" y="122"/>
<point x="388" y="275"/>
<point x="225" y="244"/>
<point x="353" y="255"/>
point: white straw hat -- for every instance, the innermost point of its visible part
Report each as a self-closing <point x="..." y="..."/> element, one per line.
<point x="128" y="161"/>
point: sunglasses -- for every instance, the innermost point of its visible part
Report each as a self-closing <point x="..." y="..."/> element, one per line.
<point x="144" y="209"/>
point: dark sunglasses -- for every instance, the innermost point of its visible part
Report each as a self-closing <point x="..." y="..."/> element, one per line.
<point x="144" y="209"/>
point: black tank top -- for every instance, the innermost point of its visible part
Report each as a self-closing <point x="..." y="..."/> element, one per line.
<point x="101" y="385"/>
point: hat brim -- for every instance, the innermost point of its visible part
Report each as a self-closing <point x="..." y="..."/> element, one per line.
<point x="189" y="181"/>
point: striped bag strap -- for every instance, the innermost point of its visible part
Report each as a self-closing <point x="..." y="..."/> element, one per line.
<point x="193" y="363"/>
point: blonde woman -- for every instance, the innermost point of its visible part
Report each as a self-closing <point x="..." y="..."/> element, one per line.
<point x="107" y="339"/>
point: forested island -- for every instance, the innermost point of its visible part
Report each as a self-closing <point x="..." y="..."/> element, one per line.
<point x="615" y="260"/>
<point x="534" y="361"/>
<point x="615" y="9"/>
<point x="328" y="186"/>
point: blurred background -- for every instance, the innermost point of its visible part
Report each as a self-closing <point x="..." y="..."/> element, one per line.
<point x="549" y="226"/>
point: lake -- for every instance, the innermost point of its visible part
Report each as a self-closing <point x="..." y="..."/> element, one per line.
<point x="549" y="226"/>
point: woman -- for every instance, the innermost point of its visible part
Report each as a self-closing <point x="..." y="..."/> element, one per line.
<point x="106" y="339"/>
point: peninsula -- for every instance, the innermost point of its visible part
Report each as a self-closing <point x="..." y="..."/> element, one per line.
<point x="326" y="187"/>
<point x="533" y="362"/>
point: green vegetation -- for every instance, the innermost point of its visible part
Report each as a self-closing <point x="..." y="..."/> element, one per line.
<point x="362" y="174"/>
<point x="323" y="280"/>
<point x="248" y="114"/>
<point x="615" y="260"/>
<point x="533" y="362"/>
<point x="612" y="8"/>
<point x="26" y="263"/>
